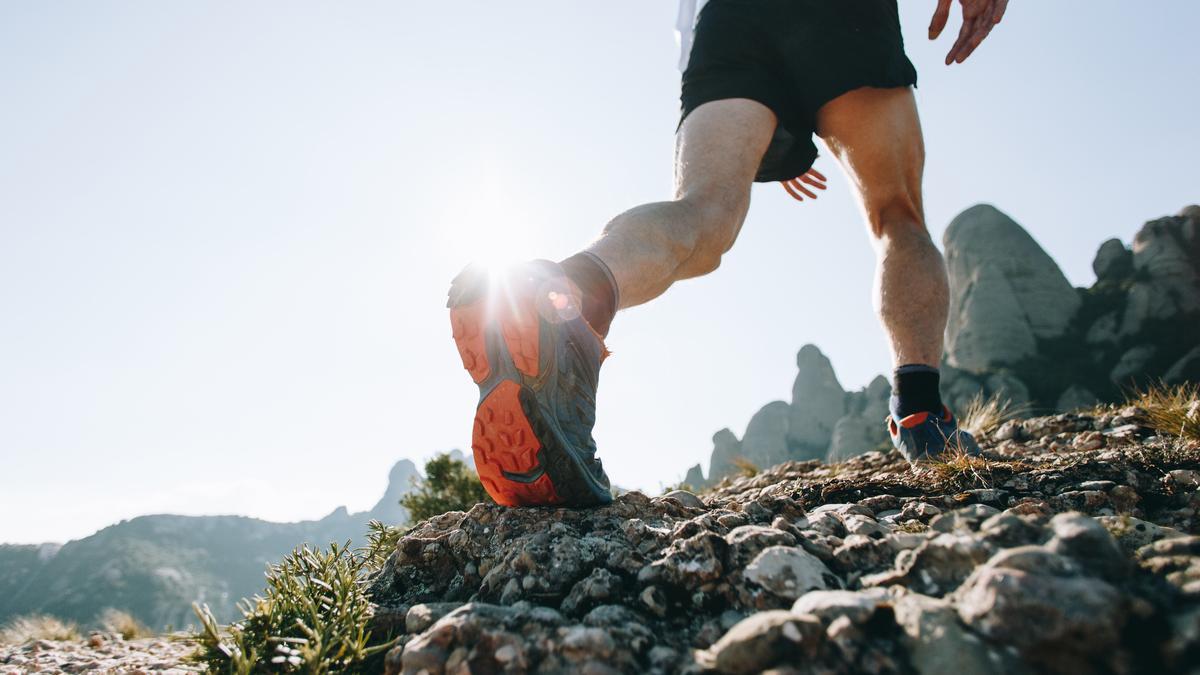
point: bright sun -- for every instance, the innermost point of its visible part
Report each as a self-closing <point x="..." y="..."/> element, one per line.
<point x="493" y="225"/>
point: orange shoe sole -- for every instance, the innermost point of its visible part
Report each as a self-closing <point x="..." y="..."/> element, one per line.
<point x="505" y="446"/>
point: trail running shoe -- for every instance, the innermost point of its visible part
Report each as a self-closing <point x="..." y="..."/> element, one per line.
<point x="924" y="436"/>
<point x="537" y="364"/>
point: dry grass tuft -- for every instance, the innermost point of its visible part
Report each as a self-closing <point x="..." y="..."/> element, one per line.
<point x="1171" y="410"/>
<point x="745" y="467"/>
<point x="985" y="415"/>
<point x="37" y="627"/>
<point x="123" y="623"/>
<point x="958" y="467"/>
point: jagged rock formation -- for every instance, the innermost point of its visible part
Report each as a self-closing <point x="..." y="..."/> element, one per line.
<point x="766" y="435"/>
<point x="726" y="449"/>
<point x="1005" y="292"/>
<point x="862" y="427"/>
<point x="823" y="421"/>
<point x="1017" y="330"/>
<point x="154" y="567"/>
<point x="1072" y="548"/>
<point x="818" y="401"/>
<point x="400" y="482"/>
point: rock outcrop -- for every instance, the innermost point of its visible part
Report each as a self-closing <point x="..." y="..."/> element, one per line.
<point x="727" y="449"/>
<point x="1017" y="331"/>
<point x="1070" y="547"/>
<point x="766" y="435"/>
<point x="1006" y="293"/>
<point x="823" y="420"/>
<point x="818" y="402"/>
<point x="862" y="427"/>
<point x="1046" y="345"/>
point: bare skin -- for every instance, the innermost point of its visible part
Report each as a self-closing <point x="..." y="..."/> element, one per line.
<point x="717" y="153"/>
<point x="875" y="135"/>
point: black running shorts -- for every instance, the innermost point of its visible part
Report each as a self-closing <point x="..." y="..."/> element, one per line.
<point x="793" y="56"/>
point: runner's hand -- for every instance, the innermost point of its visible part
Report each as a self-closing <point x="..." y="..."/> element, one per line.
<point x="979" y="17"/>
<point x="795" y="187"/>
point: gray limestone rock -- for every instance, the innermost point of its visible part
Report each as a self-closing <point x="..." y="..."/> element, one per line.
<point x="1103" y="331"/>
<point x="1006" y="291"/>
<point x="1186" y="369"/>
<point x="695" y="478"/>
<point x="598" y="588"/>
<point x="423" y="615"/>
<point x="938" y="644"/>
<point x="688" y="499"/>
<point x="1133" y="533"/>
<point x="693" y="561"/>
<point x="937" y="566"/>
<point x="860" y="554"/>
<point x="789" y="572"/>
<point x="1076" y="397"/>
<point x="960" y="388"/>
<point x="400" y="482"/>
<point x="1037" y="602"/>
<point x="726" y="448"/>
<point x="854" y="435"/>
<point x="765" y="441"/>
<point x="966" y="519"/>
<point x="1007" y="386"/>
<point x="862" y="428"/>
<point x="1113" y="261"/>
<point x="747" y="541"/>
<point x="818" y="402"/>
<point x="829" y="605"/>
<point x="762" y="640"/>
<point x="1166" y="258"/>
<point x="1132" y="364"/>
<point x="1085" y="540"/>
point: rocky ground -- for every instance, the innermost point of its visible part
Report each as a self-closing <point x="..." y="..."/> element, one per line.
<point x="1071" y="547"/>
<point x="99" y="653"/>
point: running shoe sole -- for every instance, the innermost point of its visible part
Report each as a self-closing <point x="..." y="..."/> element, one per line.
<point x="521" y="454"/>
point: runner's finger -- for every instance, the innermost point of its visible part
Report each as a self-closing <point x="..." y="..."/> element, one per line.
<point x="985" y="27"/>
<point x="807" y="193"/>
<point x="820" y="176"/>
<point x="964" y="34"/>
<point x="796" y="190"/>
<point x="819" y="184"/>
<point x="940" y="16"/>
<point x="998" y="10"/>
<point x="964" y="41"/>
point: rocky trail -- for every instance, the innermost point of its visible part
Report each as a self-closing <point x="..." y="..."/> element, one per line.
<point x="1071" y="547"/>
<point x="99" y="653"/>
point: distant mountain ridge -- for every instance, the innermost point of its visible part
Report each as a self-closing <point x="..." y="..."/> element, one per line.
<point x="155" y="566"/>
<point x="1018" y="329"/>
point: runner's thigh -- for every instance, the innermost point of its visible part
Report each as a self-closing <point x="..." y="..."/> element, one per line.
<point x="720" y="146"/>
<point x="876" y="135"/>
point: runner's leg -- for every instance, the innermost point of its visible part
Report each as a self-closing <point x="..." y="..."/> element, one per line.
<point x="718" y="151"/>
<point x="876" y="136"/>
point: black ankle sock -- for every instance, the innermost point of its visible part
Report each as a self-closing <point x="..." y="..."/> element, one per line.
<point x="916" y="389"/>
<point x="598" y="287"/>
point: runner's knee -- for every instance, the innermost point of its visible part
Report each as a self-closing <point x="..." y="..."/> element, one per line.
<point x="713" y="227"/>
<point x="896" y="216"/>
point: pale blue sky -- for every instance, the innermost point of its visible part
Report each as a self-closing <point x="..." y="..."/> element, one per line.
<point x="227" y="228"/>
